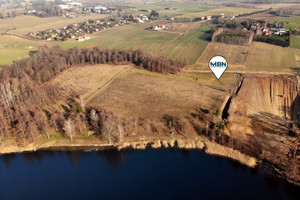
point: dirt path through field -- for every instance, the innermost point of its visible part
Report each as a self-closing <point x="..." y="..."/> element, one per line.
<point x="109" y="80"/>
<point x="233" y="72"/>
<point x="167" y="43"/>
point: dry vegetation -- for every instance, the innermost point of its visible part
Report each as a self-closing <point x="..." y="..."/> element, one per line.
<point x="22" y="25"/>
<point x="236" y="55"/>
<point x="138" y="93"/>
<point x="258" y="57"/>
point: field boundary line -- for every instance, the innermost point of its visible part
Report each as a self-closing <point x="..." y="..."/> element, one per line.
<point x="236" y="72"/>
<point x="170" y="41"/>
<point x="107" y="83"/>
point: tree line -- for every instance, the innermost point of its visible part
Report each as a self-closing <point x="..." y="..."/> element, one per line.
<point x="283" y="41"/>
<point x="28" y="105"/>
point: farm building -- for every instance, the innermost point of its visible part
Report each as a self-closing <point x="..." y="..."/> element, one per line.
<point x="158" y="27"/>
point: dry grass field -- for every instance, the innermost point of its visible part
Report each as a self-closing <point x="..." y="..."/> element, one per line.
<point x="88" y="79"/>
<point x="132" y="92"/>
<point x="236" y="55"/>
<point x="258" y="57"/>
<point x="22" y="25"/>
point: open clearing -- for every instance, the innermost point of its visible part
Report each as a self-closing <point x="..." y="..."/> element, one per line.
<point x="139" y="93"/>
<point x="24" y="24"/>
<point x="13" y="48"/>
<point x="258" y="57"/>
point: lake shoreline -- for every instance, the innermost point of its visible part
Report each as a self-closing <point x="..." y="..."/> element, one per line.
<point x="209" y="147"/>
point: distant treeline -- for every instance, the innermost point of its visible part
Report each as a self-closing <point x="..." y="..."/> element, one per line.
<point x="232" y="36"/>
<point x="283" y="41"/>
<point x="47" y="11"/>
<point x="26" y="106"/>
<point x="254" y="12"/>
<point x="9" y="14"/>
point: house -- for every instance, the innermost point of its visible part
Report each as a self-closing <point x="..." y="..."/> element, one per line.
<point x="208" y="17"/>
<point x="265" y="29"/>
<point x="171" y="18"/>
<point x="268" y="33"/>
<point x="49" y="39"/>
<point x="145" y="18"/>
<point x="75" y="4"/>
<point x="158" y="27"/>
<point x="99" y="9"/>
<point x="161" y="26"/>
<point x="33" y="33"/>
<point x="80" y="38"/>
<point x="141" y="21"/>
<point x="31" y="11"/>
<point x="64" y="7"/>
<point x="282" y="30"/>
<point x="87" y="37"/>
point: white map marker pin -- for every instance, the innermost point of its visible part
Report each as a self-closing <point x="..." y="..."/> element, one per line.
<point x="218" y="65"/>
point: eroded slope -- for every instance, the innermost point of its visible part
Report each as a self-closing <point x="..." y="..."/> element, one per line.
<point x="263" y="119"/>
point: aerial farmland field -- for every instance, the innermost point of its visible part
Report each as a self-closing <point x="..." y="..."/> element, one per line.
<point x="189" y="9"/>
<point x="149" y="99"/>
<point x="258" y="57"/>
<point x="22" y="25"/>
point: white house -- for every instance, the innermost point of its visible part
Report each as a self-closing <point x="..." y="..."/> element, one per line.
<point x="158" y="27"/>
<point x="80" y="38"/>
<point x="141" y="21"/>
<point x="75" y="4"/>
<point x="64" y="7"/>
<point x="99" y="9"/>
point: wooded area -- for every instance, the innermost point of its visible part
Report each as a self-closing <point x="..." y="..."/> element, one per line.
<point x="26" y="104"/>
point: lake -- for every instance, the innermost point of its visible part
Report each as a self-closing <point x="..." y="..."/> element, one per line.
<point x="136" y="174"/>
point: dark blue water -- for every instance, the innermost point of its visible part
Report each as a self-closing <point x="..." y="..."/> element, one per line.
<point x="132" y="174"/>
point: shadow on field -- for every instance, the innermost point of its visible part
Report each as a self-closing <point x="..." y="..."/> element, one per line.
<point x="206" y="36"/>
<point x="296" y="70"/>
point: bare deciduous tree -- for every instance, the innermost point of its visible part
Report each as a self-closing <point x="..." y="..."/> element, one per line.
<point x="109" y="131"/>
<point x="82" y="104"/>
<point x="121" y="133"/>
<point x="95" y="120"/>
<point x="68" y="128"/>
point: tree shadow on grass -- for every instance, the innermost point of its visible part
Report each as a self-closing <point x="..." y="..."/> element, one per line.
<point x="296" y="70"/>
<point x="206" y="36"/>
